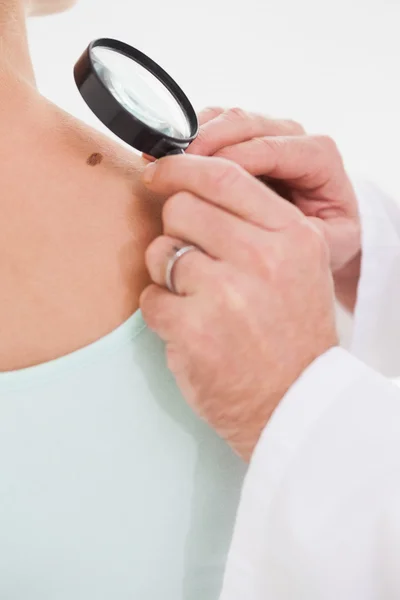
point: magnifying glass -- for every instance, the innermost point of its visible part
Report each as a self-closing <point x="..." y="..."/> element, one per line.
<point x="135" y="98"/>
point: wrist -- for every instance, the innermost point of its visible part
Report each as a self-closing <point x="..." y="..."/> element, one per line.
<point x="351" y="270"/>
<point x="244" y="438"/>
<point x="346" y="282"/>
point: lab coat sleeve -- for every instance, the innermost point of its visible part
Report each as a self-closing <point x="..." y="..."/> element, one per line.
<point x="376" y="332"/>
<point x="319" y="516"/>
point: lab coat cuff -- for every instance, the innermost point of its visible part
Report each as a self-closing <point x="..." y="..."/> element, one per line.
<point x="320" y="385"/>
<point x="375" y="337"/>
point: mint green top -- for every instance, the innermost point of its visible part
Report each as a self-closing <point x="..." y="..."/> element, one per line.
<point x="110" y="487"/>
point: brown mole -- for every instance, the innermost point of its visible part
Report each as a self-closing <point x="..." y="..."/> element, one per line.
<point x="94" y="159"/>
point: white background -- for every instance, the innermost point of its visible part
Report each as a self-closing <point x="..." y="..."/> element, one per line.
<point x="332" y="65"/>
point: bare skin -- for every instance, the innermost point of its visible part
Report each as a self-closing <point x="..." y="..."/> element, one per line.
<point x="75" y="221"/>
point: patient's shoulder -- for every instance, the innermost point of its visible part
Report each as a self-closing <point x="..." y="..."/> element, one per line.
<point x="75" y="225"/>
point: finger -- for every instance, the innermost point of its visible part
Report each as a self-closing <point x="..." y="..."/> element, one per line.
<point x="235" y="126"/>
<point x="189" y="271"/>
<point x="209" y="113"/>
<point x="221" y="235"/>
<point x="306" y="162"/>
<point x="148" y="157"/>
<point x="205" y="115"/>
<point x="162" y="310"/>
<point x="224" y="184"/>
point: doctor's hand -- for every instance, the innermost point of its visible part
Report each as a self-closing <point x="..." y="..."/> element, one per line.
<point x="253" y="303"/>
<point x="307" y="170"/>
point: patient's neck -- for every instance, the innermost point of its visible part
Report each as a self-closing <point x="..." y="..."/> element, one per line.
<point x="21" y="106"/>
<point x="15" y="63"/>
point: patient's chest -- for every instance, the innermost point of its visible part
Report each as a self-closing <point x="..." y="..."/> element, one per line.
<point x="109" y="486"/>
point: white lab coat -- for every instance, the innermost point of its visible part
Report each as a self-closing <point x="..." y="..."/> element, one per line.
<point x="319" y="516"/>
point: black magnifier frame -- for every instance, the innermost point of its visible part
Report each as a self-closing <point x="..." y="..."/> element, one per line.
<point x="116" y="117"/>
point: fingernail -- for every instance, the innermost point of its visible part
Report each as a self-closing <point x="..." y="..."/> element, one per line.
<point x="149" y="172"/>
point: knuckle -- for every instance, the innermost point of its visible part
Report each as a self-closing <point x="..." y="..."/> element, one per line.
<point x="327" y="143"/>
<point x="294" y="127"/>
<point x="330" y="151"/>
<point x="271" y="144"/>
<point x="154" y="250"/>
<point x="203" y="139"/>
<point x="314" y="240"/>
<point x="330" y="157"/>
<point x="236" y="114"/>
<point x="172" y="208"/>
<point x="316" y="149"/>
<point x="225" y="175"/>
<point x="212" y="111"/>
<point x="156" y="310"/>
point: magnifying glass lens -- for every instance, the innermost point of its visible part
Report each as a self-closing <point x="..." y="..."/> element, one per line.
<point x="140" y="92"/>
<point x="135" y="98"/>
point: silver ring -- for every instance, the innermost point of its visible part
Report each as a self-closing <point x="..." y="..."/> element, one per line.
<point x="169" y="273"/>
